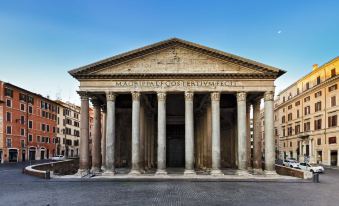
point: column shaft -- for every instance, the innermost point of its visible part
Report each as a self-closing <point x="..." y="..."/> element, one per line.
<point x="161" y="134"/>
<point x="110" y="133"/>
<point x="257" y="154"/>
<point x="189" y="134"/>
<point x="135" y="133"/>
<point x="103" y="138"/>
<point x="242" y="131"/>
<point x="215" y="103"/>
<point x="269" y="133"/>
<point x="84" y="134"/>
<point x="96" y="139"/>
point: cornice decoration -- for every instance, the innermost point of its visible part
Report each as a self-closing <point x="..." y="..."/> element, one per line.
<point x="241" y="96"/>
<point x="110" y="96"/>
<point x="161" y="96"/>
<point x="215" y="96"/>
<point x="136" y="96"/>
<point x="269" y="96"/>
<point x="189" y="96"/>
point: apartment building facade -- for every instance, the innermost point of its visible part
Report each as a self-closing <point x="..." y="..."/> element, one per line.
<point x="27" y="125"/>
<point x="306" y="116"/>
<point x="68" y="129"/>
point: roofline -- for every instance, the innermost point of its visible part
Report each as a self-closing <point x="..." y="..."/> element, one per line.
<point x="175" y="41"/>
<point x="310" y="73"/>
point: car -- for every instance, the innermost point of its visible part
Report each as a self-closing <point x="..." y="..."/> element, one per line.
<point x="291" y="163"/>
<point x="311" y="167"/>
<point x="58" y="157"/>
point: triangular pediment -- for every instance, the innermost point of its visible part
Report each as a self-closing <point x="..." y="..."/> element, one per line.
<point x="175" y="56"/>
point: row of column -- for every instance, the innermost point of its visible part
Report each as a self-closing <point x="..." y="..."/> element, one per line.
<point x="242" y="158"/>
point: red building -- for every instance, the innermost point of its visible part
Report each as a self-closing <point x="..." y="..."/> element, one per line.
<point x="27" y="125"/>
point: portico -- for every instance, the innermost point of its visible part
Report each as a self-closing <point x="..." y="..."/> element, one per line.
<point x="176" y="104"/>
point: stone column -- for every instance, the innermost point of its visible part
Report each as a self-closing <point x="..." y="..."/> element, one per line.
<point x="189" y="134"/>
<point x="161" y="134"/>
<point x="215" y="103"/>
<point x="257" y="154"/>
<point x="84" y="135"/>
<point x="96" y="137"/>
<point x="248" y="135"/>
<point x="110" y="134"/>
<point x="269" y="133"/>
<point x="135" y="170"/>
<point x="103" y="138"/>
<point x="242" y="133"/>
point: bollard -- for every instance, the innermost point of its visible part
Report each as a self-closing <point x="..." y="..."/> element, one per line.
<point x="315" y="177"/>
<point x="47" y="175"/>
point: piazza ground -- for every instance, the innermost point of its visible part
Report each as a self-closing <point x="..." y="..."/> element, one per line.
<point x="19" y="189"/>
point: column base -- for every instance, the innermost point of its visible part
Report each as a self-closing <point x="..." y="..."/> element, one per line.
<point x="161" y="172"/>
<point x="258" y="171"/>
<point x="134" y="172"/>
<point x="108" y="173"/>
<point x="270" y="173"/>
<point x="217" y="172"/>
<point x="242" y="173"/>
<point x="82" y="172"/>
<point x="95" y="170"/>
<point x="189" y="172"/>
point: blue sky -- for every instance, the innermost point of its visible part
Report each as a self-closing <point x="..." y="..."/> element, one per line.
<point x="41" y="40"/>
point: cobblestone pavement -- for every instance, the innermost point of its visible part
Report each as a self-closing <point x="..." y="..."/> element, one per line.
<point x="19" y="189"/>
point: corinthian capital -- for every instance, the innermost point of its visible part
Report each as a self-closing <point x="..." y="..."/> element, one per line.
<point x="215" y="96"/>
<point x="189" y="96"/>
<point x="241" y="96"/>
<point x="161" y="96"/>
<point x="136" y="96"/>
<point x="83" y="95"/>
<point x="269" y="96"/>
<point x="110" y="96"/>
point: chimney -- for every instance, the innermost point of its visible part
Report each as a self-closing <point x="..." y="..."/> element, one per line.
<point x="315" y="66"/>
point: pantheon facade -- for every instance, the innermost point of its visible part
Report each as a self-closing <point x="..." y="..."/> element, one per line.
<point x="176" y="104"/>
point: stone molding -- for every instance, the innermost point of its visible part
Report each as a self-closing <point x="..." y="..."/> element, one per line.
<point x="215" y="96"/>
<point x="83" y="95"/>
<point x="161" y="96"/>
<point x="269" y="96"/>
<point x="136" y="96"/>
<point x="189" y="96"/>
<point x="241" y="96"/>
<point x="110" y="96"/>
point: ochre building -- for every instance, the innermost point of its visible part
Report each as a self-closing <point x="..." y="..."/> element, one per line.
<point x="306" y="116"/>
<point x="176" y="104"/>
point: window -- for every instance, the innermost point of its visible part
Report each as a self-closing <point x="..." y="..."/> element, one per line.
<point x="289" y="107"/>
<point x="317" y="94"/>
<point x="30" y="109"/>
<point x="22" y="97"/>
<point x="9" y="103"/>
<point x="9" y="117"/>
<point x="307" y="126"/>
<point x="47" y="127"/>
<point x="8" y="92"/>
<point x="38" y="139"/>
<point x="332" y="121"/>
<point x="22" y="143"/>
<point x="332" y="140"/>
<point x="306" y="99"/>
<point x="9" y="142"/>
<point x="297" y="103"/>
<point x="42" y="139"/>
<point x="283" y="119"/>
<point x="30" y="99"/>
<point x="317" y="106"/>
<point x="283" y="99"/>
<point x="283" y="130"/>
<point x="290" y="144"/>
<point x="22" y="120"/>
<point x="30" y="138"/>
<point x="307" y="85"/>
<point x="43" y="127"/>
<point x="22" y="132"/>
<point x="333" y="101"/>
<point x="297" y="129"/>
<point x="298" y="113"/>
<point x="53" y="129"/>
<point x="317" y="124"/>
<point x="298" y="91"/>
<point x="318" y="80"/>
<point x="289" y="116"/>
<point x="333" y="73"/>
<point x="22" y="107"/>
<point x="289" y="131"/>
<point x="9" y="130"/>
<point x="307" y="110"/>
<point x="332" y="88"/>
<point x="30" y="124"/>
<point x="319" y="141"/>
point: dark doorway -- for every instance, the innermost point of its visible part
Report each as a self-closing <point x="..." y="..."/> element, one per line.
<point x="32" y="154"/>
<point x="334" y="158"/>
<point x="13" y="155"/>
<point x="23" y="156"/>
<point x="42" y="154"/>
<point x="47" y="154"/>
<point x="175" y="146"/>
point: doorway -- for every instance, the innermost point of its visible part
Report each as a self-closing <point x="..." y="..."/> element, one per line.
<point x="13" y="155"/>
<point x="42" y="154"/>
<point x="334" y="158"/>
<point x="23" y="155"/>
<point x="175" y="146"/>
<point x="32" y="154"/>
